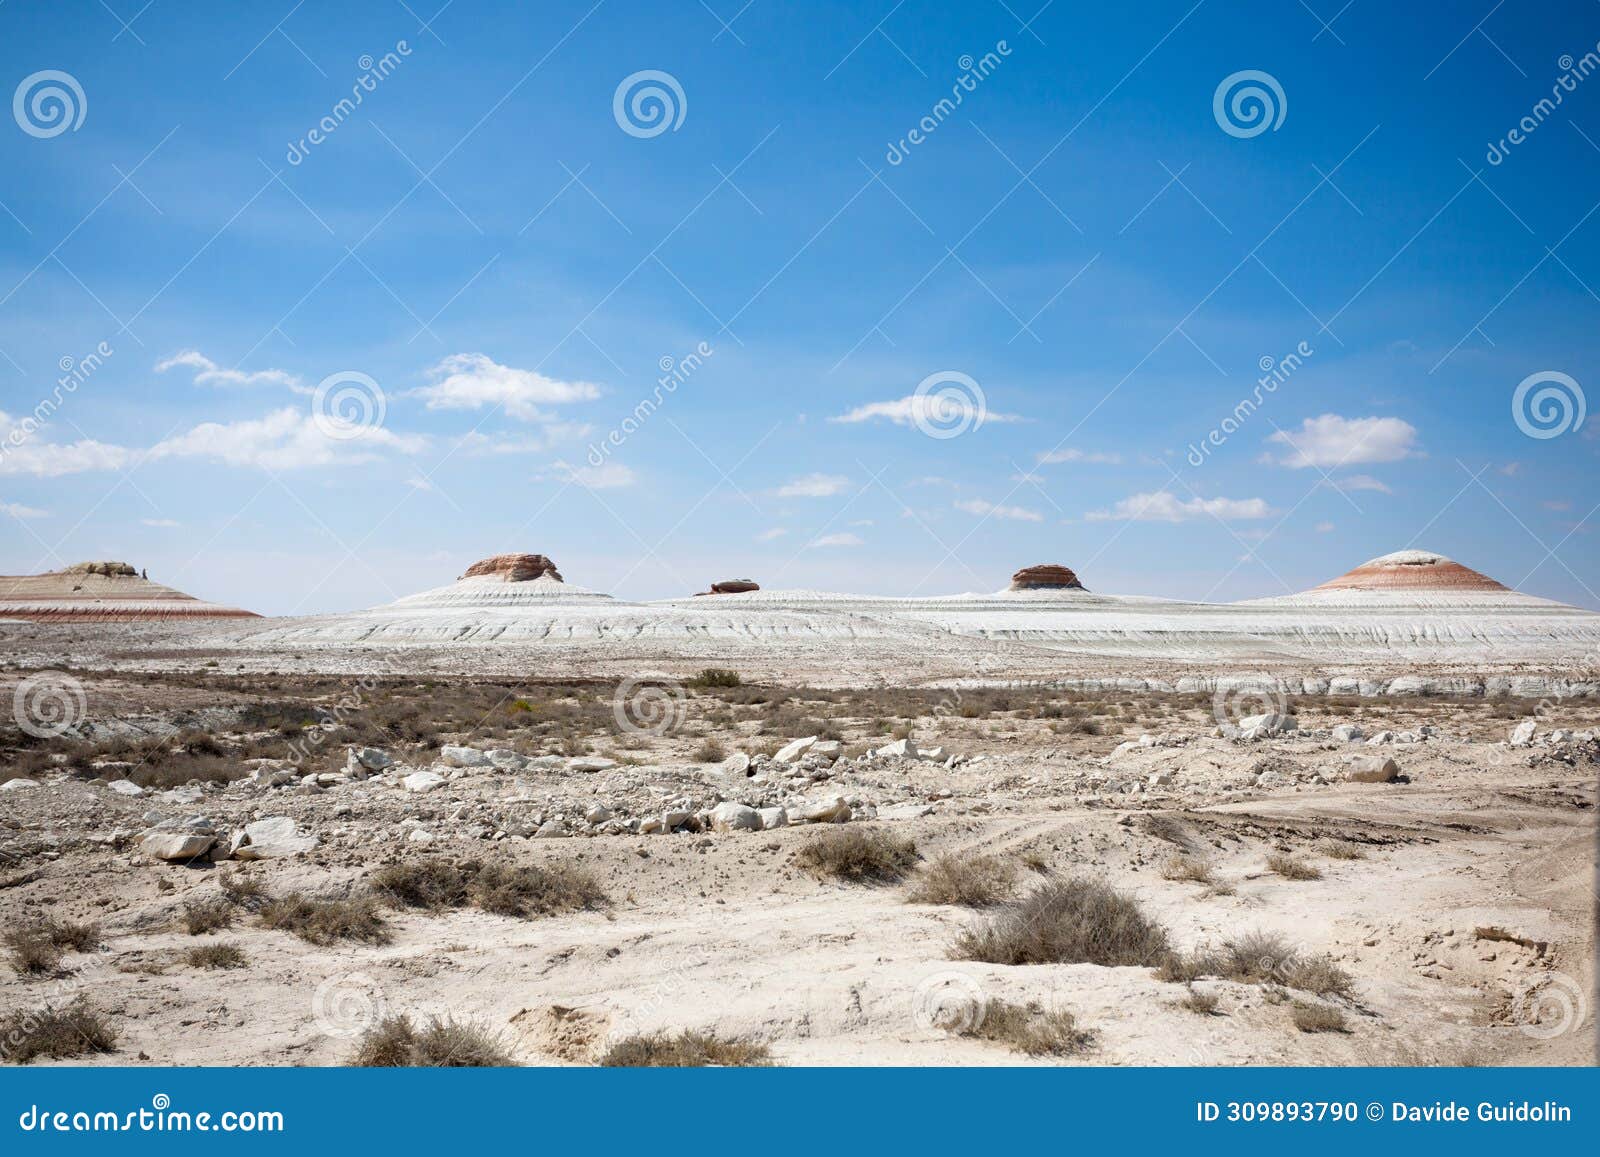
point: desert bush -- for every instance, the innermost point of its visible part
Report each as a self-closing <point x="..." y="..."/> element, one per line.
<point x="327" y="920"/>
<point x="215" y="956"/>
<point x="244" y="891"/>
<point x="1339" y="850"/>
<point x="1031" y="1029"/>
<point x="1309" y="1017"/>
<point x="858" y="855"/>
<point x="57" y="1033"/>
<point x="1319" y="975"/>
<point x="716" y="677"/>
<point x="1187" y="869"/>
<point x="970" y="881"/>
<point x="710" y="751"/>
<point x="1292" y="869"/>
<point x="36" y="948"/>
<point x="201" y="916"/>
<point x="687" y="1049"/>
<point x="421" y="884"/>
<point x="1067" y="922"/>
<point x="1202" y="1003"/>
<point x="1260" y="958"/>
<point x="534" y="890"/>
<point x="395" y="1042"/>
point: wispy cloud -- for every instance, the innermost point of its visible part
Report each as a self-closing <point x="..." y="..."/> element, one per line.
<point x="989" y="509"/>
<point x="1359" y="482"/>
<point x="209" y="373"/>
<point x="1331" y="440"/>
<point x="1091" y="457"/>
<point x="1161" y="506"/>
<point x="928" y="409"/>
<point x="814" y="486"/>
<point x="161" y="523"/>
<point x="283" y="440"/>
<point x="472" y="381"/>
<point x="771" y="534"/>
<point x="611" y="476"/>
<point x="17" y="510"/>
<point x="837" y="540"/>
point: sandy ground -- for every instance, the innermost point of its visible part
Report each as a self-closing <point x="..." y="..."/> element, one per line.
<point x="1467" y="923"/>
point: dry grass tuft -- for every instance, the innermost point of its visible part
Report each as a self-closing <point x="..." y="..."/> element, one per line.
<point x="1202" y="1003"/>
<point x="972" y="882"/>
<point x="1186" y="869"/>
<point x="1067" y="922"/>
<point x="1031" y="1029"/>
<point x="36" y="948"/>
<point x="395" y="1042"/>
<point x="204" y="916"/>
<point x="325" y="921"/>
<point x="503" y="889"/>
<point x="710" y="751"/>
<point x="55" y="1033"/>
<point x="244" y="891"/>
<point x="1292" y="869"/>
<point x="858" y="855"/>
<point x="1339" y="850"/>
<point x="688" y="1049"/>
<point x="215" y="956"/>
<point x="1260" y="958"/>
<point x="1317" y="1017"/>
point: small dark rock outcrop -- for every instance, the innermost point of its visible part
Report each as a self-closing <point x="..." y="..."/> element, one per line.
<point x="731" y="587"/>
<point x="1048" y="577"/>
<point x="514" y="568"/>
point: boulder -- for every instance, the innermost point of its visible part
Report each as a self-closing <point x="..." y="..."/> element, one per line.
<point x="1522" y="733"/>
<point x="826" y="749"/>
<point x="904" y="748"/>
<point x="452" y="756"/>
<point x="177" y="844"/>
<point x="514" y="568"/>
<point x="732" y="587"/>
<point x="271" y="776"/>
<point x="19" y="784"/>
<point x="271" y="839"/>
<point x="591" y="764"/>
<point x="124" y="787"/>
<point x="1049" y="576"/>
<point x="830" y="809"/>
<point x="369" y="758"/>
<point x="507" y="760"/>
<point x="791" y="752"/>
<point x="1373" y="769"/>
<point x="737" y="764"/>
<point x="422" y="781"/>
<point x="597" y="813"/>
<point x="675" y="817"/>
<point x="735" y="817"/>
<point x="1347" y="733"/>
<point x="773" y="818"/>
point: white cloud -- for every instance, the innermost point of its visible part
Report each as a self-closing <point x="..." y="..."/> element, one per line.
<point x="1160" y="506"/>
<point x="473" y="381"/>
<point x="942" y="412"/>
<point x="1330" y="441"/>
<point x="1360" y="482"/>
<point x="209" y="373"/>
<point x="283" y="440"/>
<point x="769" y="535"/>
<point x="418" y="482"/>
<point x="862" y="522"/>
<point x="475" y="444"/>
<point x="161" y="523"/>
<point x="1094" y="457"/>
<point x="1323" y="527"/>
<point x="1032" y="479"/>
<point x="837" y="540"/>
<point x="17" y="510"/>
<point x="989" y="509"/>
<point x="30" y="455"/>
<point x="814" y="486"/>
<point x="611" y="476"/>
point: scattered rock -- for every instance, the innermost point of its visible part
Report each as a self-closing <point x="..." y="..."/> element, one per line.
<point x="18" y="784"/>
<point x="271" y="839"/>
<point x="591" y="764"/>
<point x="422" y="781"/>
<point x="791" y="752"/>
<point x="1347" y="733"/>
<point x="830" y="809"/>
<point x="1522" y="733"/>
<point x="122" y="787"/>
<point x="735" y="817"/>
<point x="452" y="756"/>
<point x="773" y="818"/>
<point x="1373" y="769"/>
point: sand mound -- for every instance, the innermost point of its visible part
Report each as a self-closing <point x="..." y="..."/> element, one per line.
<point x="101" y="592"/>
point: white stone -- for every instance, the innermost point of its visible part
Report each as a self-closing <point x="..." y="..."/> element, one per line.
<point x="453" y="756"/>
<point x="736" y="764"/>
<point x="123" y="787"/>
<point x="1522" y="733"/>
<point x="18" y="784"/>
<point x="371" y="758"/>
<point x="591" y="764"/>
<point x="272" y="839"/>
<point x="791" y="752"/>
<point x="735" y="817"/>
<point x="180" y="846"/>
<point x="422" y="781"/>
<point x="1347" y="733"/>
<point x="830" y="809"/>
<point x="419" y="836"/>
<point x="773" y="818"/>
<point x="900" y="747"/>
<point x="597" y="814"/>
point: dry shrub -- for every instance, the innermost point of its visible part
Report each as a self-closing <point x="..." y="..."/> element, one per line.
<point x="395" y="1042"/>
<point x="36" y="948"/>
<point x="716" y="677"/>
<point x="972" y="882"/>
<point x="858" y="855"/>
<point x="1186" y="869"/>
<point x="1260" y="958"/>
<point x="1202" y="1003"/>
<point x="688" y="1049"/>
<point x="710" y="751"/>
<point x="1319" y="975"/>
<point x="505" y="890"/>
<point x="1067" y="922"/>
<point x="1292" y="869"/>
<point x="57" y="1033"/>
<point x="204" y="916"/>
<point x="244" y="891"/>
<point x="215" y="956"/>
<point x="1339" y="850"/>
<point x="1031" y="1029"/>
<point x="1309" y="1017"/>
<point x="320" y="920"/>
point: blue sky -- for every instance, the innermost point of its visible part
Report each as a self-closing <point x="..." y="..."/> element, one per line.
<point x="1081" y="239"/>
